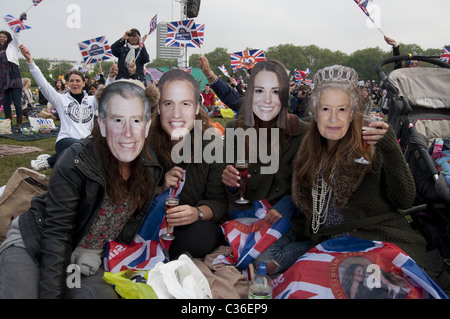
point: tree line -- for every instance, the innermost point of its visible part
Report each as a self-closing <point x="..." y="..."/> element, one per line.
<point x="316" y="58"/>
<point x="292" y="56"/>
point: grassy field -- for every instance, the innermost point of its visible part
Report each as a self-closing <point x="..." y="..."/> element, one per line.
<point x="9" y="163"/>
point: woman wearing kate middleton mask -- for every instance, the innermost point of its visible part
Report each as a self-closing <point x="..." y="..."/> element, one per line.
<point x="265" y="108"/>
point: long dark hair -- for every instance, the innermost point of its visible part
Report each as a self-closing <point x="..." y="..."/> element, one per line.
<point x="161" y="142"/>
<point x="137" y="187"/>
<point x="9" y="36"/>
<point x="248" y="119"/>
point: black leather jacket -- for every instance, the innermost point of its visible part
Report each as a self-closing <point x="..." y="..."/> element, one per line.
<point x="57" y="220"/>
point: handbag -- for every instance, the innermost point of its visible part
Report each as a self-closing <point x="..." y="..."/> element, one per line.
<point x="21" y="187"/>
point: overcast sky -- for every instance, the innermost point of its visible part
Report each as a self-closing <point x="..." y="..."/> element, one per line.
<point x="233" y="24"/>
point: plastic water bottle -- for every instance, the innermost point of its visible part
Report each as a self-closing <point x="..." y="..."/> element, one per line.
<point x="259" y="285"/>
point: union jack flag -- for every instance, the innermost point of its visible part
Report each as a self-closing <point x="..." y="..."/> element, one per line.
<point x="300" y="75"/>
<point x="224" y="70"/>
<point x="246" y="59"/>
<point x="15" y="24"/>
<point x="36" y="2"/>
<point x="153" y="24"/>
<point x="249" y="234"/>
<point x="201" y="33"/>
<point x="182" y="34"/>
<point x="95" y="50"/>
<point x="445" y="55"/>
<point x="363" y="5"/>
<point x="323" y="272"/>
<point x="147" y="248"/>
<point x="185" y="69"/>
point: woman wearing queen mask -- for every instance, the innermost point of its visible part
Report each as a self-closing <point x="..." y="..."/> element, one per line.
<point x="338" y="196"/>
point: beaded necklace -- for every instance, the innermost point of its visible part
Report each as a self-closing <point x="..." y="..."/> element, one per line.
<point x="321" y="195"/>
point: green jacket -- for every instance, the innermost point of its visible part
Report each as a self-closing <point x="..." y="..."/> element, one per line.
<point x="271" y="187"/>
<point x="370" y="203"/>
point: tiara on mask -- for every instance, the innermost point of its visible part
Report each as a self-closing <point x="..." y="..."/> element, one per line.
<point x="336" y="73"/>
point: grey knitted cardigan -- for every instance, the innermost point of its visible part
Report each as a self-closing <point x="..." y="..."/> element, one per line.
<point x="370" y="203"/>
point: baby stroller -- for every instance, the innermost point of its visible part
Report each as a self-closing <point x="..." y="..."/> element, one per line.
<point x="419" y="112"/>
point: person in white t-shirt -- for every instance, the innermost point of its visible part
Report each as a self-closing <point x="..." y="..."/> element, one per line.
<point x="76" y="110"/>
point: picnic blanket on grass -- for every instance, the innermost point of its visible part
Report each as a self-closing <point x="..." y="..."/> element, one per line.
<point x="6" y="149"/>
<point x="29" y="137"/>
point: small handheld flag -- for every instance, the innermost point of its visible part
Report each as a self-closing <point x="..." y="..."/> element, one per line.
<point x="185" y="69"/>
<point x="95" y="50"/>
<point x="363" y="5"/>
<point x="15" y="24"/>
<point x="35" y="3"/>
<point x="153" y="24"/>
<point x="182" y="34"/>
<point x="301" y="75"/>
<point x="201" y="33"/>
<point x="445" y="55"/>
<point x="224" y="70"/>
<point x="246" y="59"/>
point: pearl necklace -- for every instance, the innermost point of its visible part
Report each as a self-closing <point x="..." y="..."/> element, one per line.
<point x="321" y="195"/>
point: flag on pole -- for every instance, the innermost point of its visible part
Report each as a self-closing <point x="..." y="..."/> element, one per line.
<point x="224" y="70"/>
<point x="153" y="24"/>
<point x="182" y="34"/>
<point x="36" y="2"/>
<point x="246" y="59"/>
<point x="301" y="75"/>
<point x="363" y="5"/>
<point x="445" y="55"/>
<point x="95" y="50"/>
<point x="141" y="45"/>
<point x="15" y="24"/>
<point x="201" y="33"/>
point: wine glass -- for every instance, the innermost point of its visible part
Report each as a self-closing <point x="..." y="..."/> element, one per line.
<point x="242" y="167"/>
<point x="368" y="118"/>
<point x="171" y="201"/>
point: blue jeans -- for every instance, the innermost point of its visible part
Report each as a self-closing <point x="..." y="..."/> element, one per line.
<point x="284" y="252"/>
<point x="60" y="147"/>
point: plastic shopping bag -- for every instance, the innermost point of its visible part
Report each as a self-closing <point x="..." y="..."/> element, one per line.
<point x="179" y="279"/>
<point x="130" y="284"/>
